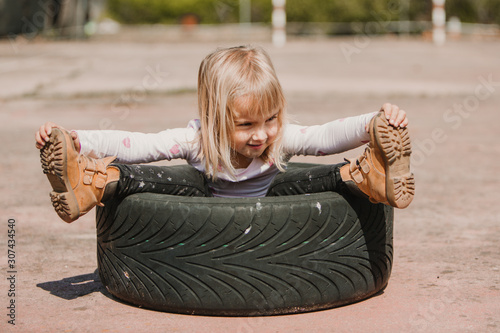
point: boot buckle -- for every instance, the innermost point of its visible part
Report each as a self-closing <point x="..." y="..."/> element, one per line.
<point x="87" y="177"/>
<point x="100" y="180"/>
<point x="357" y="176"/>
<point x="364" y="165"/>
<point x="88" y="172"/>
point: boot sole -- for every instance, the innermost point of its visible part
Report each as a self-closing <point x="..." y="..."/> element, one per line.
<point x="53" y="157"/>
<point x="395" y="144"/>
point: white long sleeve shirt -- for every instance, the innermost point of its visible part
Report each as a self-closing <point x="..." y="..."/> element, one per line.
<point x="133" y="148"/>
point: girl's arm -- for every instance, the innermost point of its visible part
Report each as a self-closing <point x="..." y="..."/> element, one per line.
<point x="134" y="147"/>
<point x="131" y="147"/>
<point x="331" y="138"/>
<point x="339" y="135"/>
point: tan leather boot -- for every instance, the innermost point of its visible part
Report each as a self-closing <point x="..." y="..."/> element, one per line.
<point x="382" y="172"/>
<point x="78" y="181"/>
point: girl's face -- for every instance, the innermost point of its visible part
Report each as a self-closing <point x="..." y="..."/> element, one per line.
<point x="253" y="133"/>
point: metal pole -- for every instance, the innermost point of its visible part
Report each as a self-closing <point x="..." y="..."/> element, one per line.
<point x="279" y="22"/>
<point x="438" y="22"/>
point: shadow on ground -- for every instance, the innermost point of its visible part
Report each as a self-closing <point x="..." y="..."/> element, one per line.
<point x="70" y="288"/>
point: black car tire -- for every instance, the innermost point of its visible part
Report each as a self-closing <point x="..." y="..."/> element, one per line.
<point x="244" y="256"/>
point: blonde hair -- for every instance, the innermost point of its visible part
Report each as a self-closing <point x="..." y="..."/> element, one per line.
<point x="223" y="77"/>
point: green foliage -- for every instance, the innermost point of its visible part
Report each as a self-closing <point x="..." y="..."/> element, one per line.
<point x="227" y="11"/>
<point x="261" y="10"/>
<point x="339" y="10"/>
<point x="465" y="10"/>
<point x="420" y="10"/>
<point x="481" y="11"/>
<point x="161" y="11"/>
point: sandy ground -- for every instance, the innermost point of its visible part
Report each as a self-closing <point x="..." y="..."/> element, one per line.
<point x="446" y="274"/>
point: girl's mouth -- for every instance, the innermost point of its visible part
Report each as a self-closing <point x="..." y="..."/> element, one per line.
<point x="256" y="147"/>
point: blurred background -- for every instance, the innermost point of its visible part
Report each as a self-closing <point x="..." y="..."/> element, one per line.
<point x="84" y="18"/>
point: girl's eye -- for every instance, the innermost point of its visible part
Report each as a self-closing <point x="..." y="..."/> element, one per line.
<point x="245" y="124"/>
<point x="272" y="118"/>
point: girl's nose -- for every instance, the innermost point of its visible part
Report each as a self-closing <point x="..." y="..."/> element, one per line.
<point x="259" y="135"/>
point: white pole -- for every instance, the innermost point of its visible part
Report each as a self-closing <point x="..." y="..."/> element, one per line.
<point x="279" y="22"/>
<point x="438" y="22"/>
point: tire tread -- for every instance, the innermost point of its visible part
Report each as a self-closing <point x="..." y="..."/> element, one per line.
<point x="264" y="256"/>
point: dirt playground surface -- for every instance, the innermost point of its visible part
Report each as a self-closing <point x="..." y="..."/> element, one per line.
<point x="446" y="273"/>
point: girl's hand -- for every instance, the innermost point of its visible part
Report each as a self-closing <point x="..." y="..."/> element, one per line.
<point x="394" y="115"/>
<point x="43" y="134"/>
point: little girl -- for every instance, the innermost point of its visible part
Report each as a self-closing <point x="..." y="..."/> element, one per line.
<point x="239" y="147"/>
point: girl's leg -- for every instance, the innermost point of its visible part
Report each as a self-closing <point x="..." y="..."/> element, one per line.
<point x="79" y="182"/>
<point x="301" y="178"/>
<point x="381" y="174"/>
<point x="182" y="180"/>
